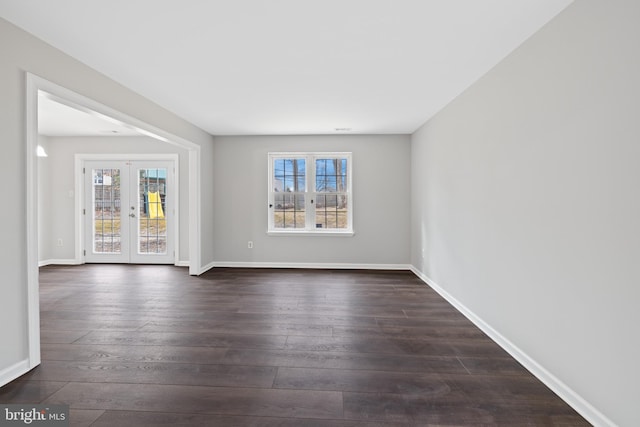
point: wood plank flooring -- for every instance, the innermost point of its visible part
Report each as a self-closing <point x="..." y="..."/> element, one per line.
<point x="152" y="346"/>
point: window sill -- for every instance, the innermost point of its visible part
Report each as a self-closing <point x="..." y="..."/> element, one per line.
<point x="332" y="233"/>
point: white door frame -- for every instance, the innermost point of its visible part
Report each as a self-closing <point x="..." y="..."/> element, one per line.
<point x="78" y="101"/>
<point x="81" y="159"/>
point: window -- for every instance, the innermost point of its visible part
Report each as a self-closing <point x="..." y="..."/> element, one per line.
<point x="310" y="193"/>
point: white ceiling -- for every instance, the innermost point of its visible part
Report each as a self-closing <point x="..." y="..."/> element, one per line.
<point x="58" y="119"/>
<point x="290" y="66"/>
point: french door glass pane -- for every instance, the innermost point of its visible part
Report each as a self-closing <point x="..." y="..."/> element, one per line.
<point x="152" y="224"/>
<point x="107" y="233"/>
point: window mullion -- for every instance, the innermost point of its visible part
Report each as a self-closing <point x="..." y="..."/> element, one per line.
<point x="310" y="189"/>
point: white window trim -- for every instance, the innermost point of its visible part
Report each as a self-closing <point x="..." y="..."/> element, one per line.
<point x="310" y="165"/>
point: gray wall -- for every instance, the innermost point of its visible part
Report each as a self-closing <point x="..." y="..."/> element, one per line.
<point x="22" y="52"/>
<point x="525" y="202"/>
<point x="380" y="201"/>
<point x="57" y="209"/>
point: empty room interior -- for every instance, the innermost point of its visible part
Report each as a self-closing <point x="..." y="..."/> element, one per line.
<point x="336" y="213"/>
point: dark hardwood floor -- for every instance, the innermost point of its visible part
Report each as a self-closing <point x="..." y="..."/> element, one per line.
<point x="152" y="346"/>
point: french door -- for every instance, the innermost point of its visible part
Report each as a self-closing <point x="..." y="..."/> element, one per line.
<point x="129" y="214"/>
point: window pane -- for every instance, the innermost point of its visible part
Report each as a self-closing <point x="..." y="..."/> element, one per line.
<point x="331" y="175"/>
<point x="288" y="175"/>
<point x="327" y="189"/>
<point x="288" y="210"/>
<point x="331" y="211"/>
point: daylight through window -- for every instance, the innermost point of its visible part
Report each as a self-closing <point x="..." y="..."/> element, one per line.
<point x="310" y="192"/>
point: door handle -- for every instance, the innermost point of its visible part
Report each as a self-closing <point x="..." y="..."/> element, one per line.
<point x="132" y="215"/>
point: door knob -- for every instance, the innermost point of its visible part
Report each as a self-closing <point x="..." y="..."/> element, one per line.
<point x="132" y="215"/>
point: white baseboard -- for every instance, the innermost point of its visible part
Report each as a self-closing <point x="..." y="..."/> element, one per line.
<point x="46" y="262"/>
<point x="207" y="267"/>
<point x="337" y="266"/>
<point x="14" y="371"/>
<point x="572" y="398"/>
<point x="242" y="264"/>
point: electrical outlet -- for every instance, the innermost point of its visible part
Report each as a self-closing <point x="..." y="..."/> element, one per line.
<point x="59" y="242"/>
<point x="250" y="244"/>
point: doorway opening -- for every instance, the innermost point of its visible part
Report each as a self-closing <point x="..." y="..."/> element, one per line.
<point x="35" y="85"/>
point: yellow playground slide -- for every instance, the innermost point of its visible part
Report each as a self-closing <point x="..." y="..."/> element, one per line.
<point x="155" y="205"/>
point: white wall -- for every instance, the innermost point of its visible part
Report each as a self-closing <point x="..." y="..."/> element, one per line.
<point x="380" y="201"/>
<point x="526" y="209"/>
<point x="44" y="199"/>
<point x="20" y="53"/>
<point x="57" y="209"/>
